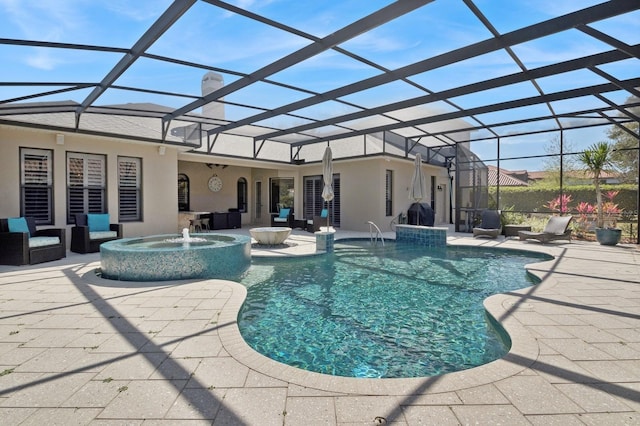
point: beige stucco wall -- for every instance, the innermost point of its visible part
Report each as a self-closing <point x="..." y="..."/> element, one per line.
<point x="362" y="190"/>
<point x="159" y="184"/>
<point x="202" y="199"/>
<point x="362" y="182"/>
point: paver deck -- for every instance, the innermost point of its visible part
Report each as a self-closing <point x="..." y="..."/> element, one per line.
<point x="76" y="349"/>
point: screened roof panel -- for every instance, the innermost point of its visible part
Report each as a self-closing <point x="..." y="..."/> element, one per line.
<point x="496" y="95"/>
<point x="119" y="96"/>
<point x="444" y="26"/>
<point x="284" y="122"/>
<point x="81" y="22"/>
<point x="521" y="128"/>
<point x="558" y="47"/>
<point x="315" y="18"/>
<point x="514" y="114"/>
<point x="210" y="36"/>
<point x="47" y="64"/>
<point x="44" y="93"/>
<point x="622" y="70"/>
<point x="583" y="103"/>
<point x="477" y="68"/>
<point x="326" y="110"/>
<point x="570" y="80"/>
<point x="517" y="14"/>
<point x="384" y="94"/>
<point x="331" y="70"/>
<point x="265" y="96"/>
<point x="366" y="123"/>
<point x="622" y="27"/>
<point x="310" y="72"/>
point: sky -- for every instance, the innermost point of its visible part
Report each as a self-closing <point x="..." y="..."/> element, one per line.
<point x="219" y="38"/>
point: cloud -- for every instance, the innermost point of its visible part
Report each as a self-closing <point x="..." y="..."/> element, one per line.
<point x="43" y="60"/>
<point x="138" y="11"/>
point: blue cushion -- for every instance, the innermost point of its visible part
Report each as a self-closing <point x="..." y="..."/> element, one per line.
<point x="324" y="213"/>
<point x="284" y="213"/>
<point x="18" y="224"/>
<point x="98" y="222"/>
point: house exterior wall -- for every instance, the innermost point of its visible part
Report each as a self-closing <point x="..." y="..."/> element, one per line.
<point x="202" y="199"/>
<point x="362" y="190"/>
<point x="362" y="182"/>
<point x="159" y="183"/>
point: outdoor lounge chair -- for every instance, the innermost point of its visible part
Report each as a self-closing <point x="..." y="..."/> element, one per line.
<point x="91" y="230"/>
<point x="283" y="218"/>
<point x="313" y="225"/>
<point x="557" y="228"/>
<point x="22" y="244"/>
<point x="491" y="225"/>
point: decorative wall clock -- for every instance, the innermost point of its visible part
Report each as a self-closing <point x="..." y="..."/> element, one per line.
<point x="215" y="183"/>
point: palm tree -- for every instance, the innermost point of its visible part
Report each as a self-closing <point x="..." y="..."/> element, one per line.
<point x="596" y="158"/>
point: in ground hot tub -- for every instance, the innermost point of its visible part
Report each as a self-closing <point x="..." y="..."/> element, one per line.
<point x="170" y="257"/>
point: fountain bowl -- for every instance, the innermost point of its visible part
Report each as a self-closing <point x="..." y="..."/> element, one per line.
<point x="170" y="257"/>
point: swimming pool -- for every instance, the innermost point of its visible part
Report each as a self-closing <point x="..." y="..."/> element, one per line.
<point x="393" y="311"/>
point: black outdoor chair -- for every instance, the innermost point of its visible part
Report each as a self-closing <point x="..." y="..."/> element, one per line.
<point x="91" y="230"/>
<point x="490" y="226"/>
<point x="22" y="244"/>
<point x="283" y="218"/>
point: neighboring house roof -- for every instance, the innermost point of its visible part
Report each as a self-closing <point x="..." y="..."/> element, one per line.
<point x="524" y="177"/>
<point x="576" y="174"/>
<point x="504" y="176"/>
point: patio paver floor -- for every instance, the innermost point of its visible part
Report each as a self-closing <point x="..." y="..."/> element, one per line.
<point x="76" y="349"/>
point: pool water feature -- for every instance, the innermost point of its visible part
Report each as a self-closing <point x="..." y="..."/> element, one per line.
<point x="174" y="257"/>
<point x="388" y="312"/>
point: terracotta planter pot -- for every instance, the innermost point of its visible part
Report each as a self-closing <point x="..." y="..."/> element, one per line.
<point x="608" y="236"/>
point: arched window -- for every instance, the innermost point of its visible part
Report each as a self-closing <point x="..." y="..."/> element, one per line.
<point x="183" y="193"/>
<point x="242" y="195"/>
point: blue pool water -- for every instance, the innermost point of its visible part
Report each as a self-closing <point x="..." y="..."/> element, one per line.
<point x="393" y="311"/>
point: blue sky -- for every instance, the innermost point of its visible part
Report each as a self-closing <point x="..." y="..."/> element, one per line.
<point x="219" y="38"/>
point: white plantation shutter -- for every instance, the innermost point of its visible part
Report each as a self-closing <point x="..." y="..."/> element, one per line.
<point x="312" y="196"/>
<point x="313" y="201"/>
<point x="129" y="177"/>
<point x="86" y="184"/>
<point x="36" y="185"/>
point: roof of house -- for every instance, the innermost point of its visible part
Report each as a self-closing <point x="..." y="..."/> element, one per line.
<point x="504" y="177"/>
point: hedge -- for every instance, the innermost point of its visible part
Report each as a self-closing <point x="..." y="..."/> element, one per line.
<point x="533" y="199"/>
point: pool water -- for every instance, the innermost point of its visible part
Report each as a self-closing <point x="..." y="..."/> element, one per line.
<point x="393" y="311"/>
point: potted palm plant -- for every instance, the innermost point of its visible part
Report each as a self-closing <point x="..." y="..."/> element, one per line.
<point x="596" y="159"/>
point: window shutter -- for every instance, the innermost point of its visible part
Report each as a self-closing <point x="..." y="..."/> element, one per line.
<point x="36" y="188"/>
<point x="86" y="182"/>
<point x="129" y="189"/>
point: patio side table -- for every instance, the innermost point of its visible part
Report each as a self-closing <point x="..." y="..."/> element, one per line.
<point x="512" y="230"/>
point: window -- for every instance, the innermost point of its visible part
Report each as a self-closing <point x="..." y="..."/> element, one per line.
<point x="313" y="201"/>
<point x="388" y="193"/>
<point x="242" y="195"/>
<point x="36" y="185"/>
<point x="129" y="189"/>
<point x="281" y="194"/>
<point x="183" y="193"/>
<point x="86" y="184"/>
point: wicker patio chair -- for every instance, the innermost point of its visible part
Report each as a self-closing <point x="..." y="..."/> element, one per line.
<point x="557" y="228"/>
<point x="91" y="230"/>
<point x="22" y="244"/>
